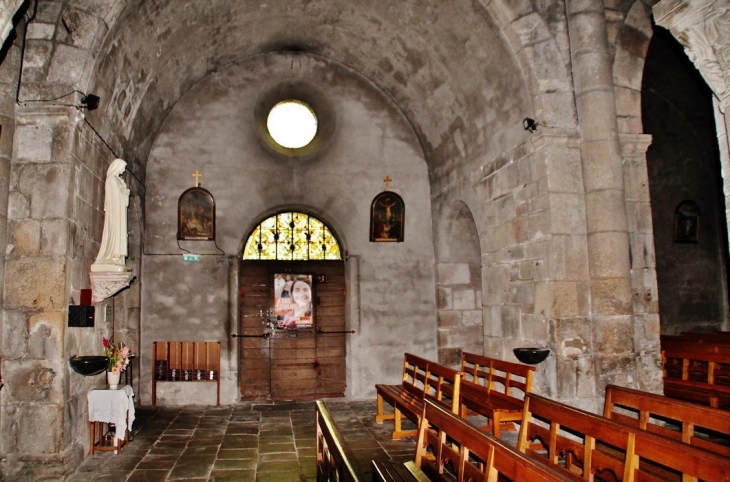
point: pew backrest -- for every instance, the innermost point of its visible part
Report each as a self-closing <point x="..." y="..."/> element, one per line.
<point x="669" y="417"/>
<point x="447" y="440"/>
<point x="511" y="379"/>
<point x="335" y="460"/>
<point x="415" y="373"/>
<point x="697" y="372"/>
<point x="443" y="385"/>
<point x="592" y="445"/>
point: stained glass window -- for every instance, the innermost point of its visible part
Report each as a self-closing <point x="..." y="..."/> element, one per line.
<point x="291" y="236"/>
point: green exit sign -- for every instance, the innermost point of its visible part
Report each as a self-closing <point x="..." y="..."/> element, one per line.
<point x="193" y="258"/>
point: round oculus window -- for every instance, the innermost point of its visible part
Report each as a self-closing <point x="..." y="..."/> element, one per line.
<point x="292" y="124"/>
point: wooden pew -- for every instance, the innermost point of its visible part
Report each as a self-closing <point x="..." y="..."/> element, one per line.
<point x="451" y="448"/>
<point x="494" y="389"/>
<point x="421" y="379"/>
<point x="652" y="412"/>
<point x="721" y="337"/>
<point x="335" y="461"/>
<point x="596" y="447"/>
<point x="696" y="372"/>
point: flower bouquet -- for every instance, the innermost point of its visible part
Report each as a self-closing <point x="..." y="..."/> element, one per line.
<point x="118" y="355"/>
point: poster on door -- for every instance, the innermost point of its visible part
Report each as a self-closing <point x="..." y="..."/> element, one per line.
<point x="293" y="307"/>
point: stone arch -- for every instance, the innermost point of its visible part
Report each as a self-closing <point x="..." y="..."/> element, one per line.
<point x="544" y="57"/>
<point x="631" y="45"/>
<point x="683" y="165"/>
<point x="459" y="286"/>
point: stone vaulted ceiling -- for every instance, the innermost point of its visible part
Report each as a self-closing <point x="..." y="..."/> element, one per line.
<point x="445" y="64"/>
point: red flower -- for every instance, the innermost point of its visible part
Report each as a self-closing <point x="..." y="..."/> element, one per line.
<point x="105" y="342"/>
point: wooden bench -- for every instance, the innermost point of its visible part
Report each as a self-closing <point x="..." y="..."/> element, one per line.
<point x="451" y="448"/>
<point x="189" y="359"/>
<point x="578" y="442"/>
<point x="335" y="460"/>
<point x="696" y="372"/>
<point x="494" y="389"/>
<point x="421" y="379"/>
<point x="704" y="427"/>
<point x="721" y="337"/>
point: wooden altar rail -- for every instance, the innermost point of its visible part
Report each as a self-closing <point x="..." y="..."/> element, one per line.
<point x="187" y="355"/>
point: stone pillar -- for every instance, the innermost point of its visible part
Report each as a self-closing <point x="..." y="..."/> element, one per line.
<point x="9" y="70"/>
<point x="562" y="289"/>
<point x="55" y="216"/>
<point x="35" y="298"/>
<point x="645" y="303"/>
<point x="607" y="231"/>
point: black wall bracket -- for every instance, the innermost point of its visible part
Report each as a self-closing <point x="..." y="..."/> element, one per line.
<point x="80" y="316"/>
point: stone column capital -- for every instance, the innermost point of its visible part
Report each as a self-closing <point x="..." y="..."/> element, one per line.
<point x="724" y="103"/>
<point x="634" y="145"/>
<point x="703" y="28"/>
<point x="7" y="12"/>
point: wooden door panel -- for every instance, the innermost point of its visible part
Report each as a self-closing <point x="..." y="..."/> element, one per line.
<point x="306" y="365"/>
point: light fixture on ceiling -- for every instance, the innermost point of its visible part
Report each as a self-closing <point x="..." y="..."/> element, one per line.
<point x="529" y="124"/>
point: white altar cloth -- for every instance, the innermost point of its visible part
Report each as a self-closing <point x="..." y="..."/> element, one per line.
<point x="112" y="406"/>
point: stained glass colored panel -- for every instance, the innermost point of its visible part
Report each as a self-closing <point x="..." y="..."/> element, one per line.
<point x="291" y="236"/>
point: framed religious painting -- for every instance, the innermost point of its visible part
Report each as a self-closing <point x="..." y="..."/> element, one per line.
<point x="387" y="218"/>
<point x="293" y="301"/>
<point x="196" y="215"/>
<point x="687" y="223"/>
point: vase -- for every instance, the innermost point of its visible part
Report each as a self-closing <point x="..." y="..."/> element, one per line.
<point x="113" y="380"/>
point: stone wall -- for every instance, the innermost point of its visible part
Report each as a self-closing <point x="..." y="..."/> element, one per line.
<point x="212" y="130"/>
<point x="459" y="291"/>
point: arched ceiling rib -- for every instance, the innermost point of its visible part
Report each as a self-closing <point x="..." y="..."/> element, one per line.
<point x="444" y="63"/>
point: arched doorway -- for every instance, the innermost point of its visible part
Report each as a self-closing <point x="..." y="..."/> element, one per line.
<point x="292" y="310"/>
<point x="688" y="209"/>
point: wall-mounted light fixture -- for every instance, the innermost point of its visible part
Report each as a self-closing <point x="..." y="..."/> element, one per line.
<point x="90" y="101"/>
<point x="529" y="124"/>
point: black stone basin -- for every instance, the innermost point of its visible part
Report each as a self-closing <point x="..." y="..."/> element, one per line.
<point x="532" y="355"/>
<point x="88" y="365"/>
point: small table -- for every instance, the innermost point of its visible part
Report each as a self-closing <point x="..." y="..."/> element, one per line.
<point x="110" y="406"/>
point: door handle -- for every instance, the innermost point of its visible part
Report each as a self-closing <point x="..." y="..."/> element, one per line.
<point x="263" y="335"/>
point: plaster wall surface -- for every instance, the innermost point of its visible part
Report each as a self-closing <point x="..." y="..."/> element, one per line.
<point x="211" y="130"/>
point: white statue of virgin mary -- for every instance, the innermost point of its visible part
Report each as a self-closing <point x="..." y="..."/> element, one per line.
<point x="113" y="249"/>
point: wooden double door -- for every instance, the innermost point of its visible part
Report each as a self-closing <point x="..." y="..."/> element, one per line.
<point x="283" y="364"/>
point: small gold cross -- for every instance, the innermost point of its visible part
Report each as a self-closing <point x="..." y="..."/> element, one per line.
<point x="197" y="175"/>
<point x="387" y="181"/>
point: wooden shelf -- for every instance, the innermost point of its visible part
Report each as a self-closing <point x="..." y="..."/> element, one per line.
<point x="186" y="357"/>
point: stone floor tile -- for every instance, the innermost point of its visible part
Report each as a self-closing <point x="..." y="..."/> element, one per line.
<point x="237" y="453"/>
<point x="114" y="476"/>
<point x="158" y="462"/>
<point x="248" y="442"/>
<point x="192" y="467"/>
<point x="278" y="447"/>
<point x="235" y="464"/>
<point x="203" y="450"/>
<point x="278" y="477"/>
<point x="288" y="456"/>
<point x="233" y="476"/>
<point x="148" y="476"/>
